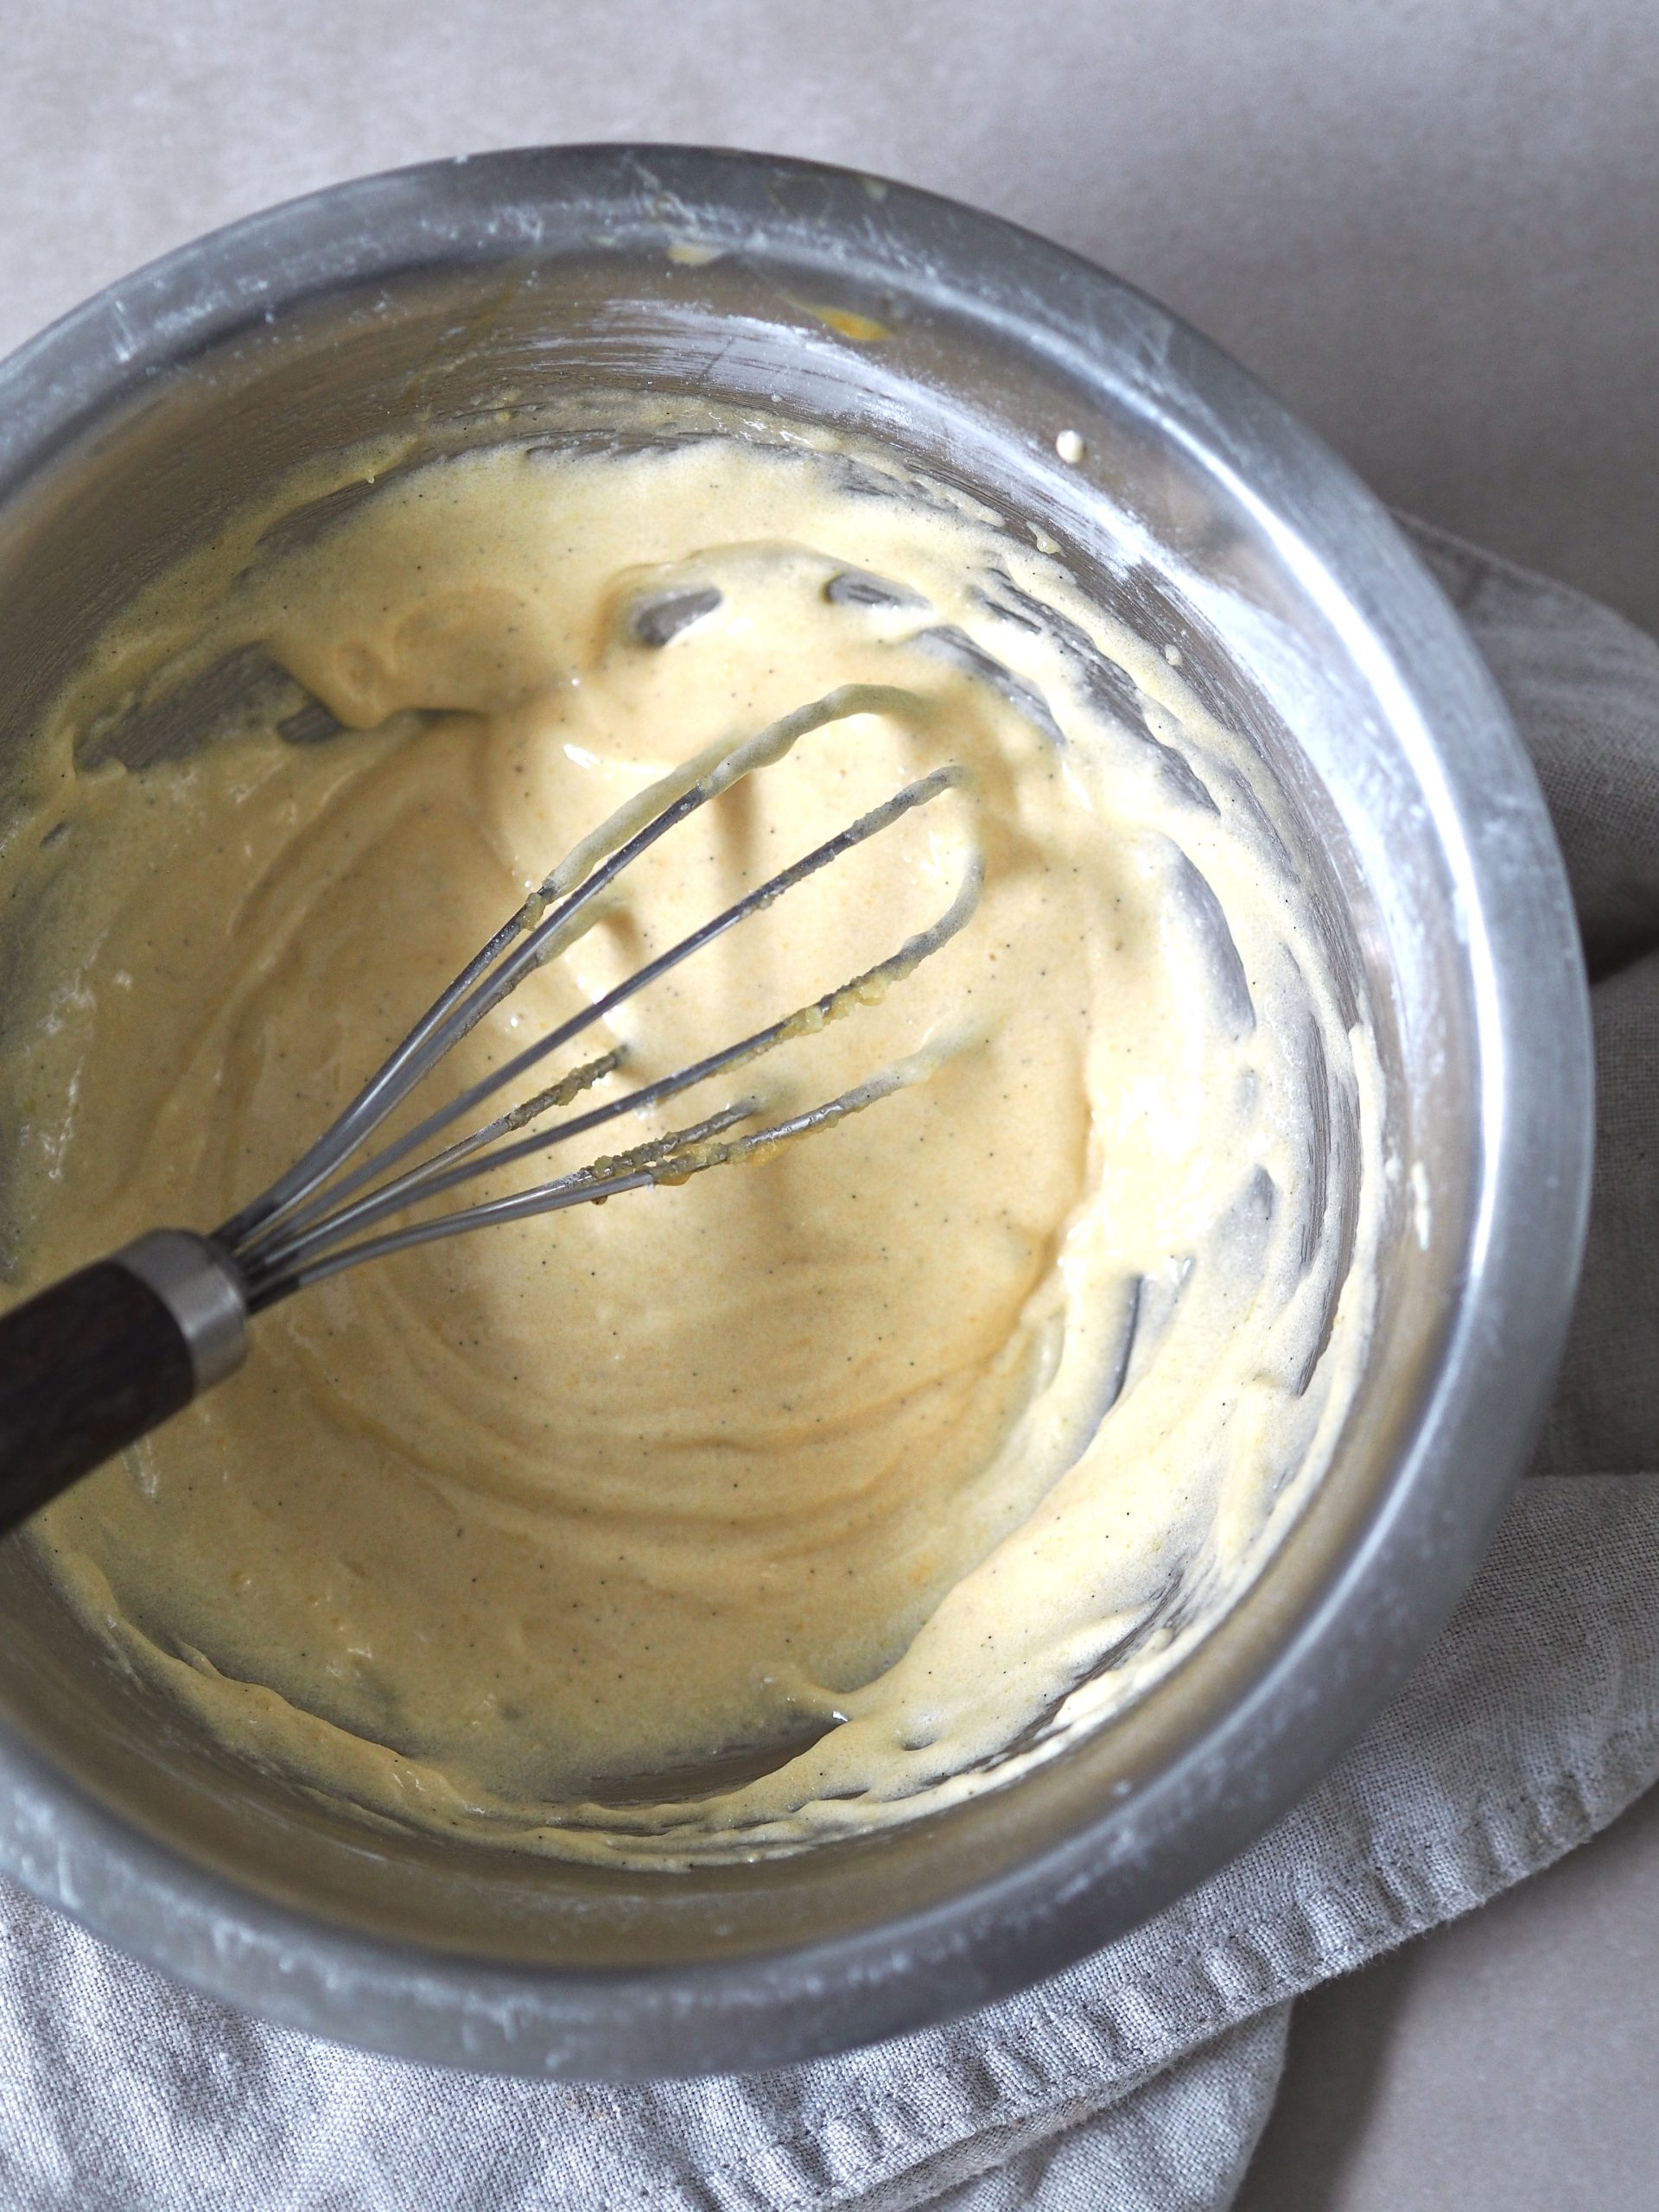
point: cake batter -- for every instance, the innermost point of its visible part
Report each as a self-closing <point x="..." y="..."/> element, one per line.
<point x="785" y="1502"/>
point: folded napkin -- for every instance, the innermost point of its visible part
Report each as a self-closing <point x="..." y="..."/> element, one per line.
<point x="1141" y="2077"/>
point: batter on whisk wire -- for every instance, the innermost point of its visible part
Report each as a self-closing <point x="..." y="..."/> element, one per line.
<point x="778" y="1504"/>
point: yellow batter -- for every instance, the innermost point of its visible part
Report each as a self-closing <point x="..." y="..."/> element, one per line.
<point x="840" y="1470"/>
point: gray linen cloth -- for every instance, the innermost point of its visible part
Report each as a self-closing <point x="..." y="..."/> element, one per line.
<point x="1141" y="2078"/>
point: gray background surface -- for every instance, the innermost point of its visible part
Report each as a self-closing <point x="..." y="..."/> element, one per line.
<point x="1432" y="224"/>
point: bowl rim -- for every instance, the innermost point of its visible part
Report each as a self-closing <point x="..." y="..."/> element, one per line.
<point x="1336" y="1667"/>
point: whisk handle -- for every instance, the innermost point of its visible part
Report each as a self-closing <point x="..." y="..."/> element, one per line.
<point x="99" y="1359"/>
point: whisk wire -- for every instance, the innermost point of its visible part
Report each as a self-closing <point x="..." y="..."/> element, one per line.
<point x="448" y="1169"/>
<point x="319" y="1217"/>
<point x="589" y="867"/>
<point x="868" y="825"/>
<point x="672" y="1159"/>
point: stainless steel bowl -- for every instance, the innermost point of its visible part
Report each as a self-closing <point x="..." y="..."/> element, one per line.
<point x="464" y="302"/>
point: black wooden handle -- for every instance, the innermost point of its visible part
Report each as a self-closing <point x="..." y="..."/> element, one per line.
<point x="89" y="1365"/>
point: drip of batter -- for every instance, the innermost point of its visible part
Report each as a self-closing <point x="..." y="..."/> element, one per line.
<point x="775" y="1505"/>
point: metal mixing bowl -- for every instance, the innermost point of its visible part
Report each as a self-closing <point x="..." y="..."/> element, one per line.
<point x="456" y="301"/>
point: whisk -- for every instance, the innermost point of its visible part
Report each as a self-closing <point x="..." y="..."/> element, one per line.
<point x="99" y="1359"/>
